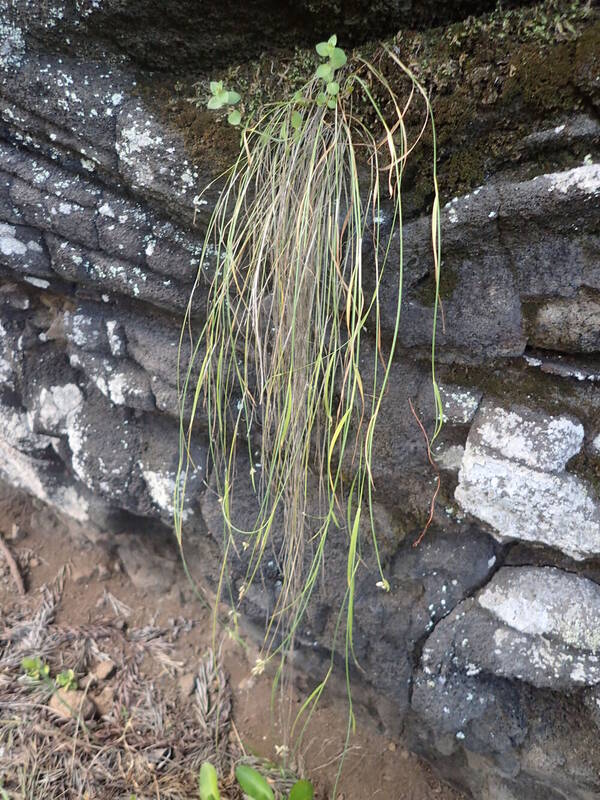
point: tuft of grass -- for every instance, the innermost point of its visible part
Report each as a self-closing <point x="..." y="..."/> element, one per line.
<point x="278" y="366"/>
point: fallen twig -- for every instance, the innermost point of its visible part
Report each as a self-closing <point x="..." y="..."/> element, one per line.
<point x="13" y="566"/>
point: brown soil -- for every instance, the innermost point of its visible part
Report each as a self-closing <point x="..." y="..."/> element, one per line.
<point x="375" y="767"/>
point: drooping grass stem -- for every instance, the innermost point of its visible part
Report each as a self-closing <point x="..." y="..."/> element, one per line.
<point x="295" y="240"/>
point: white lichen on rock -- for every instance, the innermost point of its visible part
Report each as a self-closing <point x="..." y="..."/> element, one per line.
<point x="55" y="404"/>
<point x="9" y="244"/>
<point x="536" y="440"/>
<point x="6" y="367"/>
<point x="161" y="487"/>
<point x="585" y="179"/>
<point x="512" y="477"/>
<point x="12" y="45"/>
<point x="450" y="458"/>
<point x="15" y="430"/>
<point x="40" y="283"/>
<point x="459" y="404"/>
<point x="547" y="602"/>
<point x="26" y="473"/>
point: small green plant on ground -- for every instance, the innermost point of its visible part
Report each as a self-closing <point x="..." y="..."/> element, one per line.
<point x="66" y="680"/>
<point x="254" y="785"/>
<point x="38" y="670"/>
<point x="307" y="226"/>
<point x="302" y="790"/>
<point x="208" y="782"/>
<point x="35" y="668"/>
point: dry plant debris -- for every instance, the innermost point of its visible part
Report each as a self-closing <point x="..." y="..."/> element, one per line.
<point x="144" y="739"/>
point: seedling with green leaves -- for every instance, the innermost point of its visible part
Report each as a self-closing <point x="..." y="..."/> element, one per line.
<point x="66" y="680"/>
<point x="35" y="668"/>
<point x="326" y="72"/>
<point x="336" y="58"/>
<point x="224" y="98"/>
<point x="256" y="787"/>
<point x="38" y="670"/>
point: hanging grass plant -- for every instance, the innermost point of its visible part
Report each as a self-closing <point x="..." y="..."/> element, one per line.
<point x="278" y="366"/>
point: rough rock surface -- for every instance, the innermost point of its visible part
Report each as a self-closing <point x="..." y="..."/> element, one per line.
<point x="204" y="34"/>
<point x="513" y="477"/>
<point x="484" y="653"/>
<point x="497" y="665"/>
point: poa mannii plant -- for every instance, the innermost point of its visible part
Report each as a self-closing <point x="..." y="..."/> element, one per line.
<point x="280" y="356"/>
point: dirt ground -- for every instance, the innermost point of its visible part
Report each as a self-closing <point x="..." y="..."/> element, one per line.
<point x="375" y="766"/>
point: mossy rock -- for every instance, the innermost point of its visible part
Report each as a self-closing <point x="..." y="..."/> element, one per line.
<point x="493" y="80"/>
<point x="587" y="71"/>
<point x="587" y="467"/>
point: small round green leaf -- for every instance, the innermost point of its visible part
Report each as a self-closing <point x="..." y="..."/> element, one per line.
<point x="302" y="790"/>
<point x="331" y="103"/>
<point x="233" y="98"/>
<point x="323" y="49"/>
<point x="216" y="86"/>
<point x="215" y="102"/>
<point x="325" y="72"/>
<point x="208" y="787"/>
<point x="296" y="120"/>
<point x="253" y="783"/>
<point x="321" y="99"/>
<point x="234" y="118"/>
<point x="333" y="88"/>
<point x="332" y="40"/>
<point x="338" y="58"/>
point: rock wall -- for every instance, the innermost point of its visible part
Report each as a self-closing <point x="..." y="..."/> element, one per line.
<point x="485" y="654"/>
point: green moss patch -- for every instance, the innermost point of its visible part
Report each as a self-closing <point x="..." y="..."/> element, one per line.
<point x="493" y="80"/>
